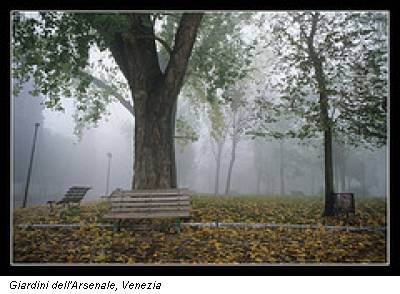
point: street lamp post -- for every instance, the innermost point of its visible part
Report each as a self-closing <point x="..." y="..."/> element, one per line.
<point x="28" y="178"/>
<point x="108" y="171"/>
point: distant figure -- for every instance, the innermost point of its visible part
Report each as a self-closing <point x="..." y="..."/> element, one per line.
<point x="297" y="193"/>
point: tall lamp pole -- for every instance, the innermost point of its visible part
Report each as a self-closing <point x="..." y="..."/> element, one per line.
<point x="28" y="178"/>
<point x="108" y="171"/>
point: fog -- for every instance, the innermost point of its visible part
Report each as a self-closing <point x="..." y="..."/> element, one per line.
<point x="62" y="159"/>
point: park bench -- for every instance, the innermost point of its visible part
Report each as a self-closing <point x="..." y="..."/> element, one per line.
<point x="73" y="196"/>
<point x="148" y="204"/>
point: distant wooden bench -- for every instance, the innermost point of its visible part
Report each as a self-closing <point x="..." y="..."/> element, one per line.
<point x="74" y="195"/>
<point x="145" y="204"/>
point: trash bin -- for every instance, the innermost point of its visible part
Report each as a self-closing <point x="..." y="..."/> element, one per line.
<point x="345" y="203"/>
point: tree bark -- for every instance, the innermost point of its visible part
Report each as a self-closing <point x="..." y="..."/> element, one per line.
<point x="233" y="155"/>
<point x="218" y="163"/>
<point x="324" y="118"/>
<point x="154" y="146"/>
<point x="174" y="178"/>
<point x="329" y="198"/>
<point x="154" y="93"/>
<point x="231" y="163"/>
<point x="336" y="164"/>
<point x="342" y="161"/>
<point x="343" y="174"/>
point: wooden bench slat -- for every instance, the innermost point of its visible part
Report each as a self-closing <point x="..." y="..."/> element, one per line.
<point x="75" y="194"/>
<point x="159" y="203"/>
<point x="78" y="190"/>
<point x="73" y="197"/>
<point x="146" y="215"/>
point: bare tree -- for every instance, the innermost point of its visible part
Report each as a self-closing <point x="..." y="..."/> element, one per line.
<point x="238" y="123"/>
<point x="217" y="146"/>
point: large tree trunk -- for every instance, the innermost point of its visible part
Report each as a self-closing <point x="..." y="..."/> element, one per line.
<point x="154" y="93"/>
<point x="174" y="178"/>
<point x="154" y="148"/>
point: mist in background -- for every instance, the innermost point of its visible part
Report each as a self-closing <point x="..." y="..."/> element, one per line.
<point x="61" y="160"/>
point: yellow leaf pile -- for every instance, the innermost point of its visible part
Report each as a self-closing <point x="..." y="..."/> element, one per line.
<point x="91" y="244"/>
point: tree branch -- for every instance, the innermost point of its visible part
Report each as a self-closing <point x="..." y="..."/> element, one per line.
<point x="164" y="43"/>
<point x="160" y="40"/>
<point x="117" y="95"/>
<point x="119" y="53"/>
<point x="184" y="41"/>
<point x="140" y="41"/>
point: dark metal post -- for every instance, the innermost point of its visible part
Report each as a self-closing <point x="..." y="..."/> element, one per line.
<point x="108" y="171"/>
<point x="30" y="166"/>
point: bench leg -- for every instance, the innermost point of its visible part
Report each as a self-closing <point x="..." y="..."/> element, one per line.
<point x="217" y="223"/>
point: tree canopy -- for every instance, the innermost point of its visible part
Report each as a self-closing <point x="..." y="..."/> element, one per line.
<point x="353" y="49"/>
<point x="68" y="55"/>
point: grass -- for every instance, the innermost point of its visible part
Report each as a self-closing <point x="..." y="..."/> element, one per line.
<point x="90" y="244"/>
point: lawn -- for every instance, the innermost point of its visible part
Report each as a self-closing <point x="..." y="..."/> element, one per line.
<point x="91" y="244"/>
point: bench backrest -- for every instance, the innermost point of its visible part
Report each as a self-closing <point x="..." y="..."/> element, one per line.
<point x="75" y="193"/>
<point x="150" y="203"/>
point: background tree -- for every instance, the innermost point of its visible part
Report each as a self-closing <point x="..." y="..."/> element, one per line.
<point x="214" y="75"/>
<point x="260" y="162"/>
<point x="217" y="139"/>
<point x="318" y="71"/>
<point x="238" y="124"/>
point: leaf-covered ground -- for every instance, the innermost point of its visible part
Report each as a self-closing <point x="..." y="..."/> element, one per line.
<point x="91" y="244"/>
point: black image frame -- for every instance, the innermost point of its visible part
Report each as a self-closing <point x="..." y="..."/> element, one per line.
<point x="392" y="269"/>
